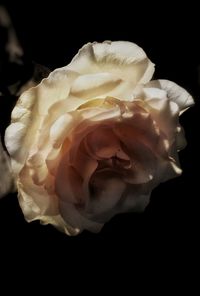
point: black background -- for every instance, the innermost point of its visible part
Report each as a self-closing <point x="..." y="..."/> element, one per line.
<point x="167" y="232"/>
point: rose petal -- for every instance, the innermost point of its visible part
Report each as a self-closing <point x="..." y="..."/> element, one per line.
<point x="86" y="166"/>
<point x="30" y="197"/>
<point x="38" y="100"/>
<point x="166" y="114"/>
<point x="70" y="214"/>
<point x="124" y="59"/>
<point x="68" y="184"/>
<point x="180" y="138"/>
<point x="58" y="222"/>
<point x="101" y="85"/>
<point x="175" y="93"/>
<point x="102" y="143"/>
<point x="60" y="129"/>
<point x="107" y="193"/>
<point x="94" y="85"/>
<point x="13" y="135"/>
<point x="140" y="128"/>
<point x="35" y="208"/>
<point x="37" y="166"/>
<point x="73" y="176"/>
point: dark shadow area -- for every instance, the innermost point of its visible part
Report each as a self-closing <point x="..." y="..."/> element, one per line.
<point x="169" y="227"/>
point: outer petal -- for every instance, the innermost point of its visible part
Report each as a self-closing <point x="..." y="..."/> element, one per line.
<point x="38" y="204"/>
<point x="28" y="115"/>
<point x="101" y="85"/>
<point x="76" y="219"/>
<point x="164" y="111"/>
<point x="175" y="93"/>
<point x="124" y="59"/>
<point x="166" y="105"/>
<point x="32" y="213"/>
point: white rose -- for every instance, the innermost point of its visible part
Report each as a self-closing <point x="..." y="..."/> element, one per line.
<point x="95" y="137"/>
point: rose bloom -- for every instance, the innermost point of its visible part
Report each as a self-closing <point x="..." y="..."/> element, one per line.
<point x="95" y="137"/>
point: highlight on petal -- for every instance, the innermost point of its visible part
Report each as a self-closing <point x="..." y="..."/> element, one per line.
<point x="93" y="85"/>
<point x="164" y="111"/>
<point x="175" y="93"/>
<point x="60" y="129"/>
<point x="101" y="85"/>
<point x="13" y="136"/>
<point x="28" y="115"/>
<point x="167" y="101"/>
<point x="126" y="60"/>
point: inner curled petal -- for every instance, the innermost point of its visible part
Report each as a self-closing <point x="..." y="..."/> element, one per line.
<point x="102" y="143"/>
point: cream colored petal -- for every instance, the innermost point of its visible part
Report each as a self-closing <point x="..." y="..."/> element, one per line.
<point x="51" y="90"/>
<point x="124" y="59"/>
<point x="81" y="109"/>
<point x="140" y="128"/>
<point x="62" y="107"/>
<point x="13" y="135"/>
<point x="38" y="168"/>
<point x="94" y="85"/>
<point x="34" y="199"/>
<point x="58" y="222"/>
<point x="6" y="177"/>
<point x="54" y="157"/>
<point x="60" y="129"/>
<point x="101" y="85"/>
<point x="103" y="114"/>
<point x="28" y="115"/>
<point x="32" y="212"/>
<point x="142" y="146"/>
<point x="166" y="114"/>
<point x="175" y="93"/>
<point x="40" y="98"/>
<point x="154" y="93"/>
